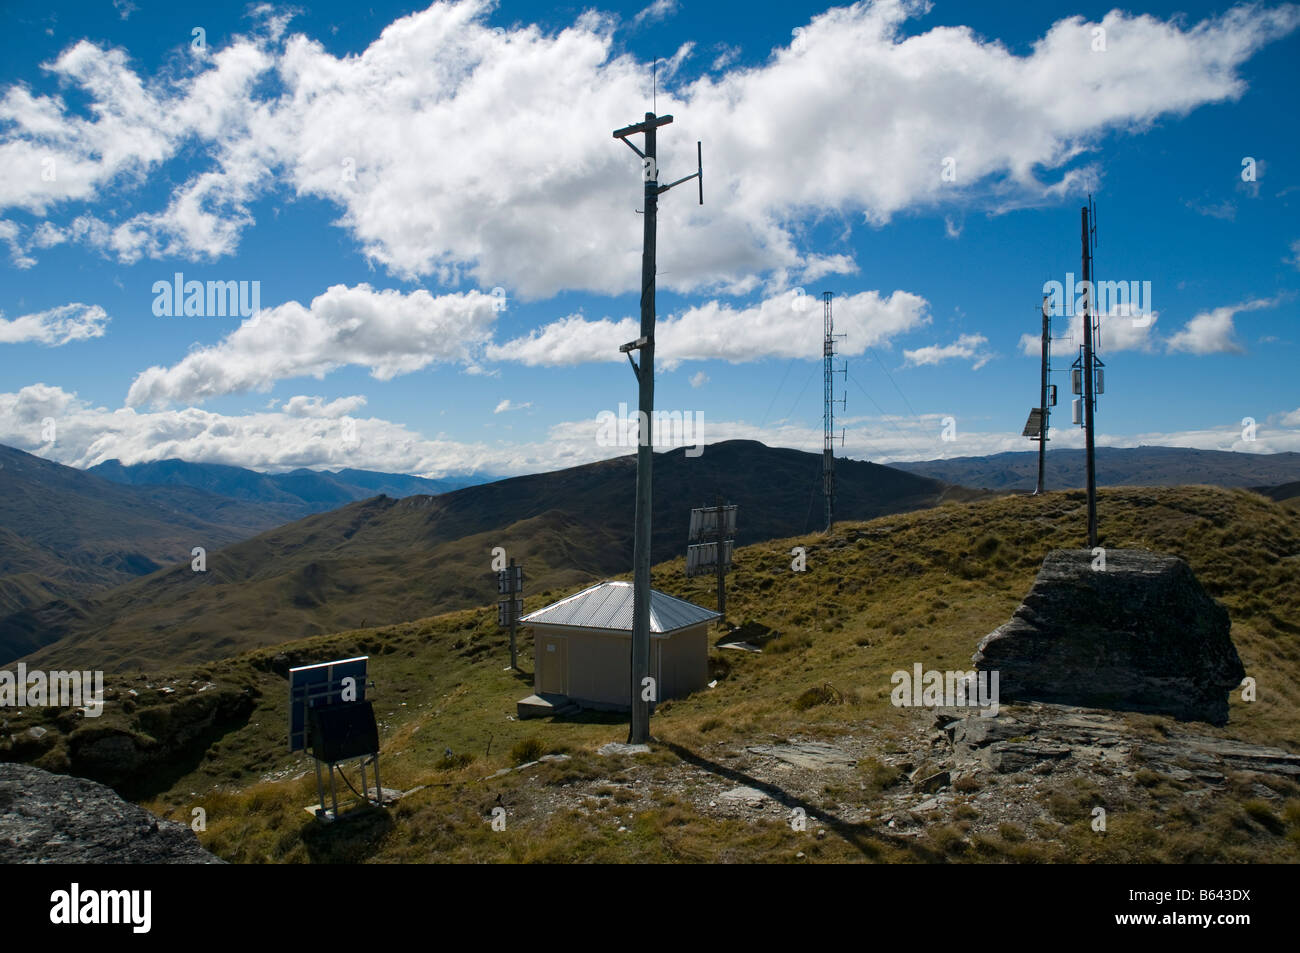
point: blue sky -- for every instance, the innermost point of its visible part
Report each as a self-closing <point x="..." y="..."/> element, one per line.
<point x="379" y="169"/>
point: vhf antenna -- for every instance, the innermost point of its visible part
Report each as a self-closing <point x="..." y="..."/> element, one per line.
<point x="643" y="692"/>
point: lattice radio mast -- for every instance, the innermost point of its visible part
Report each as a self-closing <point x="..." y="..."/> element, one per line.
<point x="828" y="415"/>
<point x="1086" y="375"/>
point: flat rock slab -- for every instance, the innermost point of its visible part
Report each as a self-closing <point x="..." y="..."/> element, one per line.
<point x="1041" y="736"/>
<point x="57" y="819"/>
<point x="619" y="747"/>
<point x="744" y="793"/>
<point x="810" y="755"/>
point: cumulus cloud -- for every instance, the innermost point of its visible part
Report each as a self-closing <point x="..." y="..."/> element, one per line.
<point x="785" y="325"/>
<point x="1214" y="332"/>
<point x="303" y="406"/>
<point x="699" y="379"/>
<point x="1121" y="330"/>
<point x="388" y="332"/>
<point x="969" y="347"/>
<point x="87" y="435"/>
<point x="57" y="326"/>
<point x="395" y="136"/>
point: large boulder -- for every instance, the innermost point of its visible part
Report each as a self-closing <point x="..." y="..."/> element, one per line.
<point x="55" y="818"/>
<point x="1139" y="635"/>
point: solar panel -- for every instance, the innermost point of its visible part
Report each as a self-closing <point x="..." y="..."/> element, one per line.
<point x="315" y="686"/>
<point x="703" y="557"/>
<point x="704" y="521"/>
<point x="1034" y="425"/>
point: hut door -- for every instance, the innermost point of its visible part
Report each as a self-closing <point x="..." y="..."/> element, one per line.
<point x="552" y="665"/>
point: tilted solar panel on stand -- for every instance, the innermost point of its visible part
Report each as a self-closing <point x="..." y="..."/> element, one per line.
<point x="318" y="686"/>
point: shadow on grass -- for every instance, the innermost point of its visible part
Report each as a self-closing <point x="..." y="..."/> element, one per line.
<point x="167" y="767"/>
<point x="590" y="716"/>
<point x="356" y="836"/>
<point x="862" y="838"/>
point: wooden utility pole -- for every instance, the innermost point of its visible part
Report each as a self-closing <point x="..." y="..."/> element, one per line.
<point x="639" y="731"/>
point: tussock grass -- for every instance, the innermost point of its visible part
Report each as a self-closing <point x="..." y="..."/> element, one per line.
<point x="877" y="597"/>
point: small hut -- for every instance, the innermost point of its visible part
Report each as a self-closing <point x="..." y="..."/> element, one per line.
<point x="583" y="650"/>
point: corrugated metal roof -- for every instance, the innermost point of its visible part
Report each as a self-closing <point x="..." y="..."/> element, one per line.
<point x="608" y="605"/>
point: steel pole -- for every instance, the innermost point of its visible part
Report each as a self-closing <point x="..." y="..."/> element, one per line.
<point x="1087" y="383"/>
<point x="1042" y="403"/>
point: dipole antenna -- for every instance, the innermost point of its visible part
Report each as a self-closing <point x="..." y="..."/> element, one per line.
<point x="643" y="690"/>
<point x="828" y="414"/>
<point x="1037" y="426"/>
<point x="1086" y="375"/>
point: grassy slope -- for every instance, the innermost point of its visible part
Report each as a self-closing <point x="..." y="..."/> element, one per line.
<point x="383" y="561"/>
<point x="878" y="596"/>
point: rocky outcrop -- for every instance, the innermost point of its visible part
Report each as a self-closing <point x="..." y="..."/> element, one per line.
<point x="53" y="818"/>
<point x="159" y="736"/>
<point x="1042" y="738"/>
<point x="1139" y="634"/>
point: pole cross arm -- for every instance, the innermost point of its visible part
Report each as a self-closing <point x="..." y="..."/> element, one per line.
<point x="665" y="188"/>
<point x="697" y="174"/>
<point x="641" y="127"/>
<point x="631" y="346"/>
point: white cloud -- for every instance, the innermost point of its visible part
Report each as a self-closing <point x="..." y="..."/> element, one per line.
<point x="784" y="325"/>
<point x="430" y="118"/>
<point x="699" y="379"/>
<point x="1213" y="332"/>
<point x="1225" y="210"/>
<point x="87" y="435"/>
<point x="968" y="347"/>
<point x="727" y="54"/>
<point x="656" y="11"/>
<point x="10" y="234"/>
<point x="1120" y="331"/>
<point x="508" y="404"/>
<point x="303" y="406"/>
<point x="57" y="326"/>
<point x="388" y="332"/>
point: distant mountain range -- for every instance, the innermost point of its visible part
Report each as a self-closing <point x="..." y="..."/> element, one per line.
<point x="95" y="565"/>
<point x="1116" y="466"/>
<point x="302" y="490"/>
<point x="385" y="560"/>
<point x="67" y="533"/>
